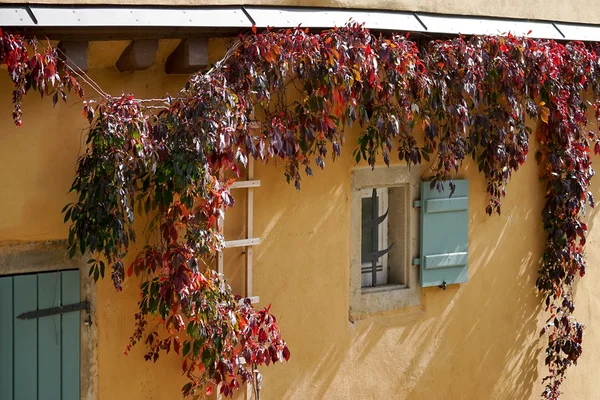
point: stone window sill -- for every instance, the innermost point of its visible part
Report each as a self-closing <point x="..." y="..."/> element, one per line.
<point x="382" y="288"/>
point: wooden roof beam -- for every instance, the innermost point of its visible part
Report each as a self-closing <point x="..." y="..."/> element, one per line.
<point x="139" y="55"/>
<point x="190" y="56"/>
<point x="75" y="53"/>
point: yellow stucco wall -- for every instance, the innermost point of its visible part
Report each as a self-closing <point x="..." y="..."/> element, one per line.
<point x="557" y="10"/>
<point x="478" y="340"/>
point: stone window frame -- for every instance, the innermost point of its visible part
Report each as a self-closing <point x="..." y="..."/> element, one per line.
<point x="50" y="256"/>
<point x="367" y="301"/>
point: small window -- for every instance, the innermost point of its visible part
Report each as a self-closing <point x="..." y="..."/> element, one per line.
<point x="384" y="240"/>
<point x="374" y="237"/>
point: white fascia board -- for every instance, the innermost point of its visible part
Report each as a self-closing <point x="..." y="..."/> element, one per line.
<point x="328" y="18"/>
<point x="459" y="25"/>
<point x="21" y="15"/>
<point x="15" y="16"/>
<point x="580" y="32"/>
<point x="143" y="17"/>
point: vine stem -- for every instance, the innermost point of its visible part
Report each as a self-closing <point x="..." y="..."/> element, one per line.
<point x="255" y="385"/>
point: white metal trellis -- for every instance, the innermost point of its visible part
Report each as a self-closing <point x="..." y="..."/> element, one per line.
<point x="249" y="184"/>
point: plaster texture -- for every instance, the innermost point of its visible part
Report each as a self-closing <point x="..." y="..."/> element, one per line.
<point x="478" y="340"/>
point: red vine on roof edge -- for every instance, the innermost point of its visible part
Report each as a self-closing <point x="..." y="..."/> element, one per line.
<point x="165" y="158"/>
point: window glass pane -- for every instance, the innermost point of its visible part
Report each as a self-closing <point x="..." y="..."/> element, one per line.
<point x="367" y="233"/>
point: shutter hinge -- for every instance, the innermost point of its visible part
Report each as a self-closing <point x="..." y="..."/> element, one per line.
<point x="416" y="261"/>
<point x="46" y="312"/>
<point x="417" y="204"/>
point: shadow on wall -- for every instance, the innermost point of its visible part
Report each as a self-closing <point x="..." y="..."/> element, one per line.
<point x="473" y="341"/>
<point x="478" y="340"/>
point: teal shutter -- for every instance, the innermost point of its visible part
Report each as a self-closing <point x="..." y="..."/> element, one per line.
<point x="6" y="338"/>
<point x="40" y="356"/>
<point x="444" y="235"/>
<point x="70" y="334"/>
<point x="49" y="342"/>
<point x="25" y="338"/>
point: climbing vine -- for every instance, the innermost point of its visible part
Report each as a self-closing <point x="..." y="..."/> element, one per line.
<point x="289" y="95"/>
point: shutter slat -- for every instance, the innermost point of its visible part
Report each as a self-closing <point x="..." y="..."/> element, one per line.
<point x="6" y="338"/>
<point x="49" y="348"/>
<point x="70" y="336"/>
<point x="445" y="260"/>
<point x="25" y="338"/>
<point x="444" y="235"/>
<point x="446" y="205"/>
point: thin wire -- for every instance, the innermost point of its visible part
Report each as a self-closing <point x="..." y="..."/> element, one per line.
<point x="156" y="107"/>
<point x="98" y="89"/>
<point x="157" y="100"/>
<point x="83" y="76"/>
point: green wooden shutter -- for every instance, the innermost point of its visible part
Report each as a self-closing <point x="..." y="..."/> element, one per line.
<point x="70" y="334"/>
<point x="39" y="357"/>
<point x="444" y="235"/>
<point x="6" y="338"/>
